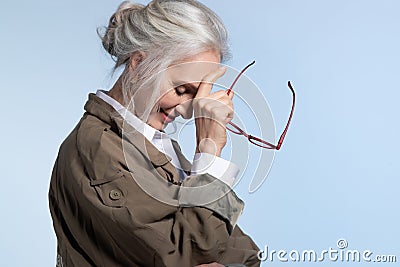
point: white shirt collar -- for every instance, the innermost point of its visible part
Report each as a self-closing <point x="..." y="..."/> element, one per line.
<point x="149" y="132"/>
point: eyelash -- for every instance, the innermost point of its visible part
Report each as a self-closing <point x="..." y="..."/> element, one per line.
<point x="178" y="92"/>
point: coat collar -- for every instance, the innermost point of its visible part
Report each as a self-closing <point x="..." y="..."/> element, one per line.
<point x="105" y="112"/>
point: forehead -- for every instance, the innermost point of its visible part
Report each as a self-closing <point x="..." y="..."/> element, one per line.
<point x="193" y="70"/>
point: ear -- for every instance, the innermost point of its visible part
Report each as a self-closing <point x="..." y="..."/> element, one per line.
<point x="136" y="58"/>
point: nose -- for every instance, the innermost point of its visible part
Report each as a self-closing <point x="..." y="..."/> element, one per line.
<point x="185" y="107"/>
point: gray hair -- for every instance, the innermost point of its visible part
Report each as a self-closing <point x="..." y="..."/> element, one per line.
<point x="165" y="31"/>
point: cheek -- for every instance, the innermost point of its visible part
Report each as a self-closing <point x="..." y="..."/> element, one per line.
<point x="169" y="100"/>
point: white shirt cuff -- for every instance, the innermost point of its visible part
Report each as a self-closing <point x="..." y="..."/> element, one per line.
<point x="220" y="168"/>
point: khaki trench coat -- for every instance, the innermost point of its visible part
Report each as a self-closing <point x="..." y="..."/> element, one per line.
<point x="115" y="200"/>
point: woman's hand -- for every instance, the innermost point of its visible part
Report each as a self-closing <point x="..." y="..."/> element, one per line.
<point x="213" y="264"/>
<point x="212" y="112"/>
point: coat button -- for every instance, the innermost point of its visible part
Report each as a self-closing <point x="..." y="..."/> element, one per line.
<point x="115" y="194"/>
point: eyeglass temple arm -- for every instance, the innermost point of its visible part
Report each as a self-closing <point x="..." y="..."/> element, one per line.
<point x="290" y="118"/>
<point x="240" y="74"/>
<point x="278" y="146"/>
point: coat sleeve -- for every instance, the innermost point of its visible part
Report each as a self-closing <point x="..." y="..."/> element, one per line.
<point x="114" y="222"/>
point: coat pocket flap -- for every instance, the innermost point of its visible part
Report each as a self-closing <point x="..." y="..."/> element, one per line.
<point x="112" y="191"/>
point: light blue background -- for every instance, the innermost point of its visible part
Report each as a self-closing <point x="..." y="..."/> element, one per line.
<point x="337" y="175"/>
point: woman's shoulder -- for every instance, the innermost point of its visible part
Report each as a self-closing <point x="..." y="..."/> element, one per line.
<point x="93" y="141"/>
<point x="96" y="129"/>
<point x="95" y="137"/>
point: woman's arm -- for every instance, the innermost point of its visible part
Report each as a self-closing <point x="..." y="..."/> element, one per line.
<point x="102" y="217"/>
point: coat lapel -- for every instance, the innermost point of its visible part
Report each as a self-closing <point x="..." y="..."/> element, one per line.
<point x="160" y="161"/>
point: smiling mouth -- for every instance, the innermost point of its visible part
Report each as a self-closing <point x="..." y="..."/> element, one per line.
<point x="166" y="117"/>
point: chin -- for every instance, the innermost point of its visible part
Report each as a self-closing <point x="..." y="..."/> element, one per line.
<point x="157" y="121"/>
<point x="157" y="125"/>
<point x="161" y="127"/>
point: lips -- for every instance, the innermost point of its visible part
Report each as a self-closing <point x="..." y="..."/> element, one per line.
<point x="165" y="116"/>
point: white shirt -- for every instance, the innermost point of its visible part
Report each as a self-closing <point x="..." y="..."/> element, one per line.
<point x="203" y="162"/>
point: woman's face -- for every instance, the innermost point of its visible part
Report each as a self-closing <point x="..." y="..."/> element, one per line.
<point x="179" y="88"/>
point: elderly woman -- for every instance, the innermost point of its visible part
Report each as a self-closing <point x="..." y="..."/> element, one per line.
<point x="121" y="192"/>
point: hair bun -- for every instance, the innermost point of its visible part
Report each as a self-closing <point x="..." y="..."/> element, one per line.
<point x="164" y="30"/>
<point x="125" y="9"/>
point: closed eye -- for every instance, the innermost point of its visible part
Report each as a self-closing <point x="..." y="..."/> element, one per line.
<point x="185" y="88"/>
<point x="180" y="90"/>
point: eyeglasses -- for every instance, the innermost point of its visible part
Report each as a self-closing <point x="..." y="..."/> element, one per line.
<point x="256" y="140"/>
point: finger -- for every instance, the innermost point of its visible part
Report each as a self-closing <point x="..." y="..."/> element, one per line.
<point x="218" y="94"/>
<point x="223" y="114"/>
<point x="231" y="94"/>
<point x="224" y="100"/>
<point x="207" y="83"/>
<point x="216" y="109"/>
<point x="221" y="94"/>
<point x="209" y="102"/>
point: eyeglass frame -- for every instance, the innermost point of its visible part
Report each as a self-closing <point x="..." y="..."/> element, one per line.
<point x="253" y="139"/>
